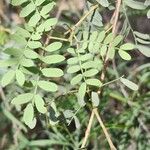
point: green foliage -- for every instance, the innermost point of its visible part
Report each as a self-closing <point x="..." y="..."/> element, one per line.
<point x="55" y="81"/>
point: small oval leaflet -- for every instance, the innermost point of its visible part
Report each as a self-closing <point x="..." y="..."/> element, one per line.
<point x="8" y="78"/>
<point x="39" y="103"/>
<point x="28" y="114"/>
<point x="48" y="86"/>
<point x="94" y="82"/>
<point x="124" y="55"/>
<point x="54" y="46"/>
<point x="20" y="77"/>
<point x="95" y="99"/>
<point x="127" y="46"/>
<point x="53" y="59"/>
<point x="73" y="69"/>
<point x="81" y="93"/>
<point x="75" y="80"/>
<point x="52" y="72"/>
<point x="129" y="84"/>
<point x="22" y="99"/>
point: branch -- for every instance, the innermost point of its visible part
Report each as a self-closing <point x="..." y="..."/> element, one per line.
<point x="115" y="16"/>
<point x="112" y="147"/>
<point x="88" y="129"/>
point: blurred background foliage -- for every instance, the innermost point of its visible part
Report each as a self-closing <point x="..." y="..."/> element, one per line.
<point x="126" y="114"/>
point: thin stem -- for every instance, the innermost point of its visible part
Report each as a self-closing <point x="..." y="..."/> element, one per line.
<point x="88" y="129"/>
<point x="104" y="129"/>
<point x="82" y="19"/>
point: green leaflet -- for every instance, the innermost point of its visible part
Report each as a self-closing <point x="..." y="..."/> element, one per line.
<point x="53" y="59"/>
<point x="20" y="77"/>
<point x="73" y="69"/>
<point x="18" y="2"/>
<point x="127" y="46"/>
<point x="39" y="103"/>
<point x="101" y="36"/>
<point x="22" y="99"/>
<point x="28" y="114"/>
<point x="142" y="35"/>
<point x="53" y="47"/>
<point x="94" y="82"/>
<point x="77" y="79"/>
<point x="86" y="57"/>
<point x="30" y="54"/>
<point x="13" y="51"/>
<point x="104" y="3"/>
<point x="90" y="72"/>
<point x="8" y="78"/>
<point x="26" y="62"/>
<point x="71" y="51"/>
<point x="81" y="93"/>
<point x="89" y="64"/>
<point x="72" y="61"/>
<point x="34" y="44"/>
<point x="124" y="55"/>
<point x="36" y="36"/>
<point x="39" y="2"/>
<point x="103" y="50"/>
<point x="48" y="86"/>
<point x="23" y="32"/>
<point x="52" y="72"/>
<point x="117" y="40"/>
<point x="9" y="62"/>
<point x="135" y="4"/>
<point x="34" y="19"/>
<point x="129" y="84"/>
<point x="47" y="8"/>
<point x="95" y="99"/>
<point x="50" y="22"/>
<point x="141" y="41"/>
<point x="109" y="38"/>
<point x="145" y="50"/>
<point x="27" y="10"/>
<point x="111" y="53"/>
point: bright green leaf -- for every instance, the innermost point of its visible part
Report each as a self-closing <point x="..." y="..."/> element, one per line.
<point x="53" y="47"/>
<point x="47" y="8"/>
<point x="124" y="55"/>
<point x="77" y="79"/>
<point x="8" y="78"/>
<point x="26" y="62"/>
<point x="129" y="84"/>
<point x="81" y="94"/>
<point x="39" y="103"/>
<point x="48" y="86"/>
<point x="104" y="3"/>
<point x="95" y="99"/>
<point x="135" y="4"/>
<point x="18" y="2"/>
<point x="73" y="69"/>
<point x="28" y="114"/>
<point x="20" y="77"/>
<point x="22" y="99"/>
<point x="53" y="59"/>
<point x="94" y="82"/>
<point x="34" y="20"/>
<point x="90" y="73"/>
<point x="30" y="54"/>
<point x="52" y="72"/>
<point x="27" y="10"/>
<point x="145" y="50"/>
<point x="34" y="44"/>
<point x="127" y="46"/>
<point x="39" y="2"/>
